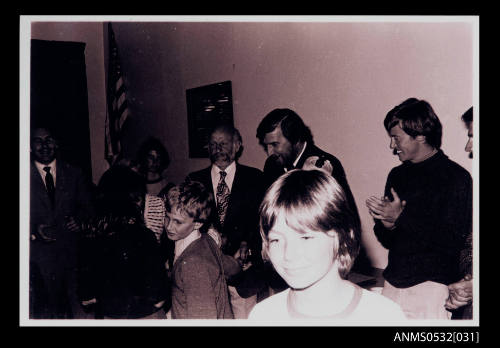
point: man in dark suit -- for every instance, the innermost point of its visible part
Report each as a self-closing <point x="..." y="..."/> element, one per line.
<point x="289" y="145"/>
<point x="59" y="199"/>
<point x="238" y="191"/>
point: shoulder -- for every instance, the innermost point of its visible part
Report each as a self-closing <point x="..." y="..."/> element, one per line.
<point x="73" y="175"/>
<point x="450" y="174"/>
<point x="273" y="307"/>
<point x="316" y="151"/>
<point x="376" y="307"/>
<point x="247" y="170"/>
<point x="199" y="174"/>
<point x="272" y="168"/>
<point x="456" y="169"/>
<point x="197" y="253"/>
<point x="69" y="168"/>
<point x="397" y="170"/>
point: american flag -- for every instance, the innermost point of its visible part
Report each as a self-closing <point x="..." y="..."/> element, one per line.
<point x="117" y="110"/>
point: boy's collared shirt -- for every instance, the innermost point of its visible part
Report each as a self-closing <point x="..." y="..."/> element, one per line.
<point x="182" y="244"/>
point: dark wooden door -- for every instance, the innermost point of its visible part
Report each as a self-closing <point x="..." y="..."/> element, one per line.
<point x="59" y="98"/>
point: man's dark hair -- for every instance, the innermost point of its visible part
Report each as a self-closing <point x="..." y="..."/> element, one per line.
<point x="150" y="144"/>
<point x="292" y="126"/>
<point x="416" y="117"/>
<point x="467" y="116"/>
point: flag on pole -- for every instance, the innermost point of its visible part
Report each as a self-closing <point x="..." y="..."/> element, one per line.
<point x="117" y="106"/>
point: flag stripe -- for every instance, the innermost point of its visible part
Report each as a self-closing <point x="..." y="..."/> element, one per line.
<point x="117" y="111"/>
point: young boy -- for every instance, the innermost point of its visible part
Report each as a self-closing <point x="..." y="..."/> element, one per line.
<point x="311" y="236"/>
<point x="199" y="289"/>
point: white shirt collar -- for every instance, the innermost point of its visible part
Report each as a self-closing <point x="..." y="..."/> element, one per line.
<point x="42" y="172"/>
<point x="182" y="244"/>
<point x="300" y="155"/>
<point x="230" y="173"/>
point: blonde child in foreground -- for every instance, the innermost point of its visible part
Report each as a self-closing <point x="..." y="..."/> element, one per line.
<point x="312" y="238"/>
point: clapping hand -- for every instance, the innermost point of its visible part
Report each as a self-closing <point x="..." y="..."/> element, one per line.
<point x="385" y="210"/>
<point x="460" y="293"/>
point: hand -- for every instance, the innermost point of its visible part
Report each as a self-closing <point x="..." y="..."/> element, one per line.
<point x="460" y="293"/>
<point x="242" y="255"/>
<point x="40" y="231"/>
<point x="159" y="304"/>
<point x="71" y="224"/>
<point x="385" y="210"/>
<point x="89" y="302"/>
<point x="310" y="164"/>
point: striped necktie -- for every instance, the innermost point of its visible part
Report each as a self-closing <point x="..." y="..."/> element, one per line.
<point x="222" y="198"/>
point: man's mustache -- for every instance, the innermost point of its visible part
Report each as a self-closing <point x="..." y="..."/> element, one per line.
<point x="220" y="155"/>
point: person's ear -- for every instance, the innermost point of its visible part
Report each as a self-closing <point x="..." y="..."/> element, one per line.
<point x="197" y="225"/>
<point x="237" y="146"/>
<point x="420" y="138"/>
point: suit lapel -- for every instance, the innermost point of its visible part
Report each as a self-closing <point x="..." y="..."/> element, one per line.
<point x="235" y="196"/>
<point x="61" y="184"/>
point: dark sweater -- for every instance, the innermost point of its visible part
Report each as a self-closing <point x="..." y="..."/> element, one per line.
<point x="432" y="229"/>
<point x="199" y="289"/>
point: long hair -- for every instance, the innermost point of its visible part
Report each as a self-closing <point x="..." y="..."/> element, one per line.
<point x="313" y="200"/>
<point x="150" y="144"/>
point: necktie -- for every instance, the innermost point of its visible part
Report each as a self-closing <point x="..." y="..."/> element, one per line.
<point x="222" y="198"/>
<point x="49" y="184"/>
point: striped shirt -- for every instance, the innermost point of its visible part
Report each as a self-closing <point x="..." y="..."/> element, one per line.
<point x="154" y="214"/>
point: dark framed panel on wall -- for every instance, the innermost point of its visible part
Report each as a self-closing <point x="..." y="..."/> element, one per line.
<point x="207" y="106"/>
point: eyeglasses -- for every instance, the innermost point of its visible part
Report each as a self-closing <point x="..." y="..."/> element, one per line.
<point x="214" y="145"/>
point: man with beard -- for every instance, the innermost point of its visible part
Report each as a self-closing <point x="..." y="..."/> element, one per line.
<point x="238" y="191"/>
<point x="289" y="145"/>
<point x="59" y="201"/>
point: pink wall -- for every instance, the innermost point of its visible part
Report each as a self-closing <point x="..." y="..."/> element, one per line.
<point x="342" y="78"/>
